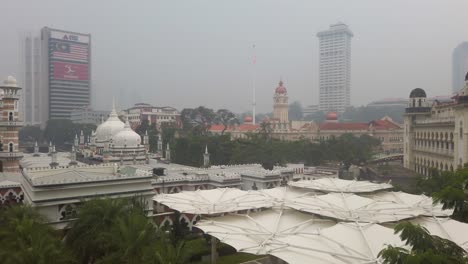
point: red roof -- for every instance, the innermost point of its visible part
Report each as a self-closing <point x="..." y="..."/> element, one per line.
<point x="384" y="124"/>
<point x="344" y="126"/>
<point x="242" y="127"/>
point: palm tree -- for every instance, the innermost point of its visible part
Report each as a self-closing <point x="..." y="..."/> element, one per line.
<point x="89" y="237"/>
<point x="25" y="238"/>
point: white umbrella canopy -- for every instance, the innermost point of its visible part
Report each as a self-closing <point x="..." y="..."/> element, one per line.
<point x="351" y="207"/>
<point x="215" y="201"/>
<point x="341" y="243"/>
<point x="282" y="194"/>
<point x="417" y="201"/>
<point x="260" y="232"/>
<point x="446" y="228"/>
<point x="339" y="185"/>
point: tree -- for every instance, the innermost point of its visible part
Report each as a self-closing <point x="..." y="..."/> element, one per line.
<point x="197" y="121"/>
<point x="60" y="131"/>
<point x="25" y="238"/>
<point x="225" y="118"/>
<point x="101" y="227"/>
<point x="31" y="134"/>
<point x="423" y="247"/>
<point x="295" y="111"/>
<point x="450" y="189"/>
<point x="144" y="128"/>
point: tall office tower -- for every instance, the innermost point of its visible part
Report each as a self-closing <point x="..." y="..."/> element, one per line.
<point x="34" y="94"/>
<point x="67" y="71"/>
<point x="459" y="66"/>
<point x="335" y="68"/>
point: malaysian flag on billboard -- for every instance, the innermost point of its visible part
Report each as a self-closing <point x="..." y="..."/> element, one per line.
<point x="69" y="51"/>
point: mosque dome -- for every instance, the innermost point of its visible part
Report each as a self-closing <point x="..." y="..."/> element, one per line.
<point x="110" y="127"/>
<point x="10" y="81"/>
<point x="331" y="116"/>
<point x="248" y="119"/>
<point x="126" y="137"/>
<point x="418" y="92"/>
<point x="280" y="89"/>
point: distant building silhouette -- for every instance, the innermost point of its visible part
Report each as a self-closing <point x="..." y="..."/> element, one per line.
<point x="459" y="66"/>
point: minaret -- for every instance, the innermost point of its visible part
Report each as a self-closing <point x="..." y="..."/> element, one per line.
<point x="76" y="142"/>
<point x="160" y="144"/>
<point x="53" y="155"/>
<point x="206" y="158"/>
<point x="10" y="125"/>
<point x="36" y="150"/>
<point x="146" y="141"/>
<point x="168" y="152"/>
<point x="73" y="157"/>
<point x="82" y="140"/>
<point x="50" y="148"/>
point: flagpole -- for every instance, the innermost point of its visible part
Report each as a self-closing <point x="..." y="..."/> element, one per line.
<point x="254" y="62"/>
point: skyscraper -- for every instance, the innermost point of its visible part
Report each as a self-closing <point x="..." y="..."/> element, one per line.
<point x="34" y="93"/>
<point x="459" y="66"/>
<point x="67" y="71"/>
<point x="335" y="68"/>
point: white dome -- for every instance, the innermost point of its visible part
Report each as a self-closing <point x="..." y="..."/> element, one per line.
<point x="127" y="137"/>
<point x="110" y="127"/>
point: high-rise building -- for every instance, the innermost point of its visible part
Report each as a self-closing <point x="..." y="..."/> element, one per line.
<point x="459" y="66"/>
<point x="66" y="58"/>
<point x="34" y="96"/>
<point x="335" y="68"/>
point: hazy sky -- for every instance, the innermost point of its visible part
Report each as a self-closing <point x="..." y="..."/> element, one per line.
<point x="190" y="53"/>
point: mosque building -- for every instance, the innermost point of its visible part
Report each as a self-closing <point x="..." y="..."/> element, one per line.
<point x="115" y="141"/>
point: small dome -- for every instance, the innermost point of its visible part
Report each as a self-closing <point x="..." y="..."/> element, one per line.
<point x="248" y="119"/>
<point x="10" y="82"/>
<point x="127" y="137"/>
<point x="331" y="116"/>
<point x="418" y="92"/>
<point x="280" y="89"/>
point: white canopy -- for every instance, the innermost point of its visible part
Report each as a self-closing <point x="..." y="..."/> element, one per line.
<point x="339" y="185"/>
<point x="351" y="207"/>
<point x="215" y="201"/>
<point x="282" y="194"/>
<point x="259" y="232"/>
<point x="300" y="238"/>
<point x="446" y="228"/>
<point x="416" y="201"/>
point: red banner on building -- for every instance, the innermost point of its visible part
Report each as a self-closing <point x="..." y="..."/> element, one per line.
<point x="70" y="71"/>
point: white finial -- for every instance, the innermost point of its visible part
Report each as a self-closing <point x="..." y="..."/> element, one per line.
<point x="206" y="149"/>
<point x="167" y="146"/>
<point x="146" y="132"/>
<point x="50" y="143"/>
<point x="35" y="144"/>
<point x="82" y="132"/>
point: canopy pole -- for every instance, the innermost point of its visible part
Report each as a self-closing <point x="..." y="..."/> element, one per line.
<point x="214" y="253"/>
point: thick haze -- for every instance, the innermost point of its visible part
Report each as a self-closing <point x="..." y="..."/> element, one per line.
<point x="190" y="53"/>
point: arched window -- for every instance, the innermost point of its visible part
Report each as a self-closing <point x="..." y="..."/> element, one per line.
<point x="414" y="102"/>
<point x="419" y="102"/>
<point x="10" y="116"/>
<point x="10" y="147"/>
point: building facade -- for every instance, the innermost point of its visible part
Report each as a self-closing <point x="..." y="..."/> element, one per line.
<point x="155" y="115"/>
<point x="66" y="60"/>
<point x="435" y="135"/>
<point x="335" y="68"/>
<point x="86" y="115"/>
<point x="389" y="132"/>
<point x="459" y="66"/>
<point x="34" y="94"/>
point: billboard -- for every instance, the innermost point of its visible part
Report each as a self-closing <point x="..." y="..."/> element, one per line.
<point x="69" y="71"/>
<point x="68" y="36"/>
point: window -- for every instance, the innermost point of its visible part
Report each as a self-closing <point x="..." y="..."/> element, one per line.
<point x="10" y="116"/>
